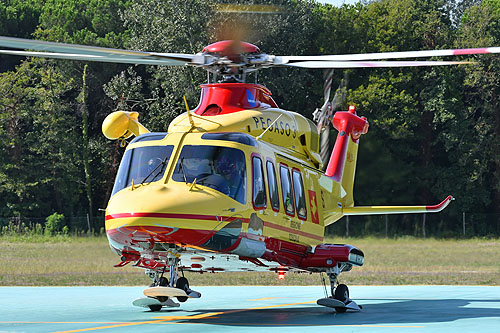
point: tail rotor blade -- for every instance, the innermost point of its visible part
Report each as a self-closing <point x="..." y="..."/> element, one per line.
<point x="323" y="116"/>
<point x="340" y="94"/>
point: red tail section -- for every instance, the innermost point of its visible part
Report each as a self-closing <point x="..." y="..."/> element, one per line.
<point x="348" y="124"/>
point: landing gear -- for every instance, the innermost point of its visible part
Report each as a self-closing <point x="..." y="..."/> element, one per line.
<point x="339" y="300"/>
<point x="162" y="291"/>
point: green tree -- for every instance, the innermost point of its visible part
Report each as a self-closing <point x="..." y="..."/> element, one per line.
<point x="18" y="18"/>
<point x="409" y="110"/>
<point x="480" y="27"/>
<point x="162" y="26"/>
<point x="98" y="23"/>
<point x="38" y="172"/>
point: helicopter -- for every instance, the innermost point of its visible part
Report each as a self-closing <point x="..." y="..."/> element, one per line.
<point x="237" y="183"/>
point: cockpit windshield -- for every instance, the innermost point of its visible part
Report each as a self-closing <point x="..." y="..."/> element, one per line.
<point x="220" y="168"/>
<point x="142" y="165"/>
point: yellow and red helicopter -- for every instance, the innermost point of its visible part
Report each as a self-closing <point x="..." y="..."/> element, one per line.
<point x="236" y="184"/>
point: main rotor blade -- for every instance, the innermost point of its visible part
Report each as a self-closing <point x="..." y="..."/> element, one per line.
<point x="386" y="55"/>
<point x="94" y="53"/>
<point x="86" y="57"/>
<point x="373" y="64"/>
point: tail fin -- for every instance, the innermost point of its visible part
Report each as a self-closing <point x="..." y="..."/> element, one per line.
<point x="350" y="126"/>
<point x="342" y="167"/>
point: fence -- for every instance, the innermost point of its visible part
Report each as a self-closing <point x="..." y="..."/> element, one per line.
<point x="74" y="223"/>
<point x="418" y="225"/>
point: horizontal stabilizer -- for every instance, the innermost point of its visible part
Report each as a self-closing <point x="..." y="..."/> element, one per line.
<point x="375" y="210"/>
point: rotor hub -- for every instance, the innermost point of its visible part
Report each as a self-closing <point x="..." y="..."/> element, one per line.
<point x="233" y="60"/>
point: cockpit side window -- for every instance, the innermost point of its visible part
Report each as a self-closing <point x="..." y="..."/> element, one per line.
<point x="142" y="165"/>
<point x="220" y="168"/>
<point x="259" y="199"/>
<point x="286" y="190"/>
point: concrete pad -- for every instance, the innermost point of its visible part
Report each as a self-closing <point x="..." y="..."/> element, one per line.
<point x="252" y="309"/>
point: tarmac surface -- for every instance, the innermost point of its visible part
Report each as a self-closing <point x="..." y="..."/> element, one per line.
<point x="252" y="309"/>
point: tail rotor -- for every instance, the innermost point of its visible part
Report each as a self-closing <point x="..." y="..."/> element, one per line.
<point x="323" y="116"/>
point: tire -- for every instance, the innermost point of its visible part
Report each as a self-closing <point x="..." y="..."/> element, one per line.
<point x="163" y="282"/>
<point x="155" y="307"/>
<point x="342" y="293"/>
<point x="182" y="283"/>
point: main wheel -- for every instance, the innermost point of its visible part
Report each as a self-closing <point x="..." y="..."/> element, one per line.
<point x="182" y="283"/>
<point x="155" y="307"/>
<point x="341" y="294"/>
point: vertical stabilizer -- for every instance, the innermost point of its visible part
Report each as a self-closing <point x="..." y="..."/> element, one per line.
<point x="342" y="165"/>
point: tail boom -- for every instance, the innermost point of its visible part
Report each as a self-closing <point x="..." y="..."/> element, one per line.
<point x="377" y="210"/>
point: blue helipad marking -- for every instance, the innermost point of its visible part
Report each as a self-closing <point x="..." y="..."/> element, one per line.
<point x="251" y="309"/>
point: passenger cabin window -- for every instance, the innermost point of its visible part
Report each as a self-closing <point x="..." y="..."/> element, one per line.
<point x="273" y="186"/>
<point x="286" y="190"/>
<point x="300" y="198"/>
<point x="220" y="168"/>
<point x="259" y="190"/>
<point x="142" y="165"/>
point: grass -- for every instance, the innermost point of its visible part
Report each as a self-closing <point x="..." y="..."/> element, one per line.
<point x="63" y="261"/>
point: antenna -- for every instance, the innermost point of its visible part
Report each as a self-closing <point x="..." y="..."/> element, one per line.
<point x="262" y="134"/>
<point x="189" y="113"/>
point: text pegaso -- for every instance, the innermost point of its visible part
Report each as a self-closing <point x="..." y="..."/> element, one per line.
<point x="280" y="127"/>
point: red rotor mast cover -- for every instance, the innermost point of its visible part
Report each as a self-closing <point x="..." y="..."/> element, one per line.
<point x="224" y="98"/>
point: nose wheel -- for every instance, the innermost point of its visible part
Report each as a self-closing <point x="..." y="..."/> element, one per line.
<point x="163" y="291"/>
<point x="183" y="284"/>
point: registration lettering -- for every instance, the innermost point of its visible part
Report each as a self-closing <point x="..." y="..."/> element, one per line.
<point x="295" y="225"/>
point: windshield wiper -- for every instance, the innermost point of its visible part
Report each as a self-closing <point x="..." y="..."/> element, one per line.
<point x="163" y="164"/>
<point x="181" y="166"/>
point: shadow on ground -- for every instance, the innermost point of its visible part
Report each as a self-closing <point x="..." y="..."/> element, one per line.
<point x="383" y="312"/>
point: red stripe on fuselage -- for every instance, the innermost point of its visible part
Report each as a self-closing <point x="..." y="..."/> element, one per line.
<point x="166" y="216"/>
<point x="210" y="218"/>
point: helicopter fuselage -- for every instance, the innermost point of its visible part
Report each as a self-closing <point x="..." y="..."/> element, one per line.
<point x="240" y="177"/>
<point x="225" y="191"/>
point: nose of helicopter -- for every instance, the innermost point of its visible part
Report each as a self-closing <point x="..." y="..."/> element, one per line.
<point x="158" y="213"/>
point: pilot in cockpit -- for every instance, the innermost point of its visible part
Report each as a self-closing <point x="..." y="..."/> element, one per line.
<point x="226" y="167"/>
